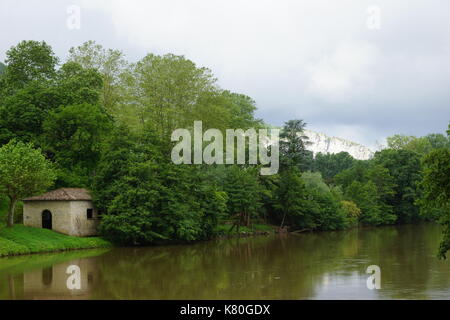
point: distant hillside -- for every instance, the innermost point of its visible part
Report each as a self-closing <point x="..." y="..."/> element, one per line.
<point x="325" y="144"/>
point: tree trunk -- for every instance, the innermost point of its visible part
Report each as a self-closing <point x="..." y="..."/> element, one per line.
<point x="11" y="209"/>
<point x="282" y="221"/>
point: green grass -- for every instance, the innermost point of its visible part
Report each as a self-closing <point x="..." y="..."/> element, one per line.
<point x="24" y="240"/>
<point x="224" y="229"/>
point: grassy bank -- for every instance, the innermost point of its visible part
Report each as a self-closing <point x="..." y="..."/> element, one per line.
<point x="20" y="240"/>
<point x="24" y="240"/>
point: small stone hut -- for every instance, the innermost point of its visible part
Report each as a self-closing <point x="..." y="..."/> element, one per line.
<point x="66" y="210"/>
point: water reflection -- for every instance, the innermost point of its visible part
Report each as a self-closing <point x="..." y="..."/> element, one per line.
<point x="46" y="276"/>
<point x="55" y="282"/>
<point x="327" y="265"/>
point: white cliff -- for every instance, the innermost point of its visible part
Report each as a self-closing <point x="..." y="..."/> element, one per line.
<point x="325" y="144"/>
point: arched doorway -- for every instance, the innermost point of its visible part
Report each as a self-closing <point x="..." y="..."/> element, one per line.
<point x="46" y="219"/>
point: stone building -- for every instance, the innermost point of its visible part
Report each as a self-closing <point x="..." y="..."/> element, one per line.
<point x="66" y="210"/>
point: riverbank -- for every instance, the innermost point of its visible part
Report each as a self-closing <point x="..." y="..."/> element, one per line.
<point x="20" y="240"/>
<point x="223" y="230"/>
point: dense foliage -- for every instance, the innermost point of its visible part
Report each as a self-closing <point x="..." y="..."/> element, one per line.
<point x="23" y="172"/>
<point x="105" y="124"/>
<point x="435" y="200"/>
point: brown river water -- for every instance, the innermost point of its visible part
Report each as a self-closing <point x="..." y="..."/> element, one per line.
<point x="322" y="265"/>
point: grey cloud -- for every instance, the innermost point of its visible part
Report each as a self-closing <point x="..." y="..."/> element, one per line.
<point x="310" y="59"/>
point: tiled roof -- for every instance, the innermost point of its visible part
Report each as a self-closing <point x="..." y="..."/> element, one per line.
<point x="62" y="194"/>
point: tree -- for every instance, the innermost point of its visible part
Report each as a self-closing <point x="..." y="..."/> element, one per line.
<point x="356" y="173"/>
<point x="398" y="141"/>
<point x="25" y="90"/>
<point x="24" y="110"/>
<point x="22" y="113"/>
<point x="435" y="187"/>
<point x="308" y="161"/>
<point x="112" y="67"/>
<point x="242" y="110"/>
<point x="293" y="143"/>
<point x="438" y="140"/>
<point x="146" y="198"/>
<point x="329" y="213"/>
<point x="166" y="90"/>
<point x="331" y="164"/>
<point x="352" y="211"/>
<point x="404" y="167"/>
<point x="29" y="61"/>
<point x="292" y="200"/>
<point x="23" y="172"/>
<point x="421" y="145"/>
<point x="223" y="110"/>
<point x="75" y="84"/>
<point x="243" y="194"/>
<point x="2" y="81"/>
<point x="73" y="135"/>
<point x="372" y="188"/>
<point x="385" y="186"/>
<point x="313" y="180"/>
<point x="365" y="196"/>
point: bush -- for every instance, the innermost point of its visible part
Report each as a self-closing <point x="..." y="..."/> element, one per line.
<point x="352" y="212"/>
<point x="147" y="199"/>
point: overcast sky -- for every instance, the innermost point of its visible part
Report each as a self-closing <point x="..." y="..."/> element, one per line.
<point x="326" y="62"/>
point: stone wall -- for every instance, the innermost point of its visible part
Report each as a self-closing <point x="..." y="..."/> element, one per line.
<point x="82" y="226"/>
<point x="68" y="217"/>
<point x="61" y="217"/>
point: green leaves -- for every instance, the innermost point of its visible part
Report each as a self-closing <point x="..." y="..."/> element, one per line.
<point x="331" y="164"/>
<point x="23" y="170"/>
<point x="29" y="61"/>
<point x="404" y="168"/>
<point x="74" y="133"/>
<point x="435" y="188"/>
<point x="57" y="110"/>
<point x="293" y="144"/>
<point x="146" y="198"/>
<point x="166" y="89"/>
<point x="421" y="145"/>
<point x="112" y="67"/>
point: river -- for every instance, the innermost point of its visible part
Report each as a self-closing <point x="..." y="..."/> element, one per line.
<point x="322" y="265"/>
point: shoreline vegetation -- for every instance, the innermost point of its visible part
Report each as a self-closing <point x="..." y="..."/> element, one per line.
<point x="22" y="240"/>
<point x="100" y="122"/>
